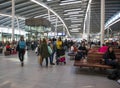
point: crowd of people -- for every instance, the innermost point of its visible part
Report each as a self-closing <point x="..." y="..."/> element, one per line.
<point x="47" y="49"/>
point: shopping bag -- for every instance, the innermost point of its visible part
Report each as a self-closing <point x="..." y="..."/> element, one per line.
<point x="40" y="60"/>
<point x="50" y="50"/>
<point x="36" y="49"/>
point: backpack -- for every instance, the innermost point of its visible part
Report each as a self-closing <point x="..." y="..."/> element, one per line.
<point x="22" y="44"/>
<point x="114" y="75"/>
<point x="78" y="56"/>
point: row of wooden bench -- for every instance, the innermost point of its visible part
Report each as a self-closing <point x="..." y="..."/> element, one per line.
<point x="95" y="60"/>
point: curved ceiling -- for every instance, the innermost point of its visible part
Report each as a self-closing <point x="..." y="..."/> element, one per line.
<point x="111" y="8"/>
<point x="71" y="11"/>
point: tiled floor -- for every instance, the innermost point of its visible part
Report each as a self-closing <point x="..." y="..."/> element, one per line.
<point x="12" y="75"/>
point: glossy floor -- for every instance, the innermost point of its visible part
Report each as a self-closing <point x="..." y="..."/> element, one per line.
<point x="12" y="75"/>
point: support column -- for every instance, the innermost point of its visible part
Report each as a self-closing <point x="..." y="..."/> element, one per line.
<point x="63" y="31"/>
<point x="56" y="26"/>
<point x="18" y="26"/>
<point x="102" y="20"/>
<point x="108" y="32"/>
<point x="1" y="35"/>
<point x="13" y="18"/>
<point x="49" y="15"/>
<point x="88" y="28"/>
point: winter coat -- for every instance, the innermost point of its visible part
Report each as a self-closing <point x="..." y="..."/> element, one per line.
<point x="44" y="50"/>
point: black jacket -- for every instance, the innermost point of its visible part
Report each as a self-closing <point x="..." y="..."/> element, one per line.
<point x="109" y="55"/>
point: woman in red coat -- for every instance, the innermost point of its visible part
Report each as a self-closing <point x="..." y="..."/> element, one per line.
<point x="8" y="48"/>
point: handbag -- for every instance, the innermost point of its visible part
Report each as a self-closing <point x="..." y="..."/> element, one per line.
<point x="50" y="50"/>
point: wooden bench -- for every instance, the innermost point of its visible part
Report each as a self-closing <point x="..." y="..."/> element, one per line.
<point x="94" y="60"/>
<point x="87" y="64"/>
<point x="117" y="50"/>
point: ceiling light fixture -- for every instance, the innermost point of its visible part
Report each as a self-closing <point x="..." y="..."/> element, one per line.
<point x="76" y="21"/>
<point x="72" y="10"/>
<point x="74" y="13"/>
<point x="75" y="25"/>
<point x="41" y="15"/>
<point x="45" y="6"/>
<point x="70" y="18"/>
<point x="74" y="30"/>
<point x="80" y="15"/>
<point x="68" y="3"/>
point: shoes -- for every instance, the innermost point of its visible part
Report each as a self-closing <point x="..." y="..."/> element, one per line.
<point x="52" y="64"/>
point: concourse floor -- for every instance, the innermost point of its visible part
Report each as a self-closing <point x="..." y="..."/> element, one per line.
<point x="12" y="75"/>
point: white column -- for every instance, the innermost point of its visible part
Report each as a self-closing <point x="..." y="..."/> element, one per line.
<point x="18" y="26"/>
<point x="63" y="30"/>
<point x="108" y="32"/>
<point x="49" y="15"/>
<point x="56" y="25"/>
<point x="13" y="18"/>
<point x="88" y="26"/>
<point x="102" y="20"/>
<point x="1" y="35"/>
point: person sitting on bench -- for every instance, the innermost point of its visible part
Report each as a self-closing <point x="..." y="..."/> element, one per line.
<point x="103" y="49"/>
<point x="110" y="58"/>
<point x="82" y="50"/>
<point x="73" y="48"/>
<point x="8" y="48"/>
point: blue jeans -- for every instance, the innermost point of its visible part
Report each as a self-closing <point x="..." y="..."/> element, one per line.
<point x="21" y="54"/>
<point x="111" y="63"/>
<point x="46" y="61"/>
<point x="51" y="57"/>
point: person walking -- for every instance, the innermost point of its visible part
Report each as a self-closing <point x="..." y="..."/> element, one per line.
<point x="44" y="51"/>
<point x="21" y="50"/>
<point x="59" y="46"/>
<point x="51" y="46"/>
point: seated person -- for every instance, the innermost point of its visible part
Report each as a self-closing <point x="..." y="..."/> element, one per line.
<point x="8" y="48"/>
<point x="110" y="58"/>
<point x="82" y="50"/>
<point x="103" y="49"/>
<point x="73" y="48"/>
<point x="12" y="48"/>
